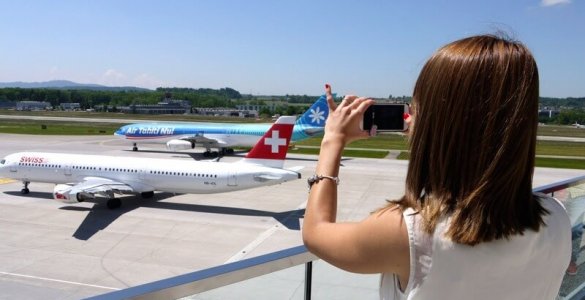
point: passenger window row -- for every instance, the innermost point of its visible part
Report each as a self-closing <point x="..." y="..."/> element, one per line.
<point x="183" y="174"/>
<point x="123" y="170"/>
<point x="105" y="169"/>
<point x="39" y="165"/>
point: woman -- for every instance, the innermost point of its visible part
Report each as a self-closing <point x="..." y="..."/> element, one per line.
<point x="468" y="225"/>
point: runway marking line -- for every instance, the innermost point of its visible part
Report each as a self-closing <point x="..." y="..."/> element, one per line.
<point x="261" y="238"/>
<point x="6" y="180"/>
<point x="58" y="280"/>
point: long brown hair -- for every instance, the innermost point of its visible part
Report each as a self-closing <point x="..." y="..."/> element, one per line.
<point x="473" y="140"/>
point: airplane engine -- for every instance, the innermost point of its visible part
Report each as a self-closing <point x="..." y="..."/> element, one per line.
<point x="176" y="145"/>
<point x="62" y="193"/>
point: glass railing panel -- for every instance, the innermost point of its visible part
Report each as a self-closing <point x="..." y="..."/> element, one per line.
<point x="330" y="282"/>
<point x="284" y="284"/>
<point x="573" y="198"/>
<point x="220" y="279"/>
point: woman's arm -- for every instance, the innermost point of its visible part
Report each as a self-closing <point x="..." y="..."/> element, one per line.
<point x="377" y="244"/>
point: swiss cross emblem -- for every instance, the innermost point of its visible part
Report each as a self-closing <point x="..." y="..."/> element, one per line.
<point x="274" y="141"/>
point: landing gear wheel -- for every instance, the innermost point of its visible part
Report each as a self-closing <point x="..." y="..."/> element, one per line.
<point x="114" y="203"/>
<point x="135" y="147"/>
<point x="25" y="190"/>
<point x="207" y="153"/>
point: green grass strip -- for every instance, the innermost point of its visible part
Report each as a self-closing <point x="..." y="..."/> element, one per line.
<point x="545" y="162"/>
<point x="560" y="148"/>
<point x="560" y="163"/>
<point x="347" y="152"/>
<point x="57" y="128"/>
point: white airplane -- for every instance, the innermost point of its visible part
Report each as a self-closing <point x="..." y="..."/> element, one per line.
<point x="577" y="125"/>
<point x="223" y="136"/>
<point x="81" y="177"/>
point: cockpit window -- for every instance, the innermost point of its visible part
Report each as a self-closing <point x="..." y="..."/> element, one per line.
<point x="2" y="161"/>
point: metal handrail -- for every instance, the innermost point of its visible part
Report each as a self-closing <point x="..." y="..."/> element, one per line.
<point x="204" y="280"/>
<point x="553" y="187"/>
<point x="208" y="279"/>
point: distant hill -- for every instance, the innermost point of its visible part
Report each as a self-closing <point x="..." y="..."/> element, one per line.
<point x="68" y="85"/>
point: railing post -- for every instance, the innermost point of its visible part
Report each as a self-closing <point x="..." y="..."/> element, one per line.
<point x="308" y="279"/>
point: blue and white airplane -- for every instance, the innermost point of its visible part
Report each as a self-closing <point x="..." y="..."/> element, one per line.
<point x="223" y="136"/>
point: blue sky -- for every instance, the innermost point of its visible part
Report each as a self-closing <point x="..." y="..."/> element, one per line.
<point x="370" y="48"/>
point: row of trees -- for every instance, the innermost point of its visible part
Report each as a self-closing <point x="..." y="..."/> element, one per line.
<point x="572" y="109"/>
<point x="569" y="102"/>
<point x="90" y="98"/>
<point x="224" y="97"/>
<point x="566" y="117"/>
<point x="185" y="93"/>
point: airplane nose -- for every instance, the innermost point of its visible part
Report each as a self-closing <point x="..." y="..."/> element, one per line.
<point x="3" y="166"/>
<point x="121" y="131"/>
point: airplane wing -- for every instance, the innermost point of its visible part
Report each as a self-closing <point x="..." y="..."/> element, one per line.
<point x="188" y="141"/>
<point x="296" y="169"/>
<point x="266" y="177"/>
<point x="201" y="139"/>
<point x="98" y="185"/>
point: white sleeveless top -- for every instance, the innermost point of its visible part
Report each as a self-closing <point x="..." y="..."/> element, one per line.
<point x="528" y="266"/>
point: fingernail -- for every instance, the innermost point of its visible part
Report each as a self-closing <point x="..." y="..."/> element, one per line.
<point x="373" y="130"/>
<point x="327" y="86"/>
<point x="406" y="116"/>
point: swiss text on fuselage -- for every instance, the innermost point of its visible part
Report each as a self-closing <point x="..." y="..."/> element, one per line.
<point x="32" y="159"/>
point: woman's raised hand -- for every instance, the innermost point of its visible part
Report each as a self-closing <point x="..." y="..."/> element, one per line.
<point x="344" y="121"/>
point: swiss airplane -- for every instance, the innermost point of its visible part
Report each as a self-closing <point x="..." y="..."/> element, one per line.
<point x="81" y="177"/>
<point x="223" y="136"/>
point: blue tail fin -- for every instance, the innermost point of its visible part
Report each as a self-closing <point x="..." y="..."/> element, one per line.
<point x="316" y="115"/>
<point x="312" y="122"/>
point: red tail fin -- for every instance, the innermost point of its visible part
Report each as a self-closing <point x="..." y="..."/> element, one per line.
<point x="274" y="144"/>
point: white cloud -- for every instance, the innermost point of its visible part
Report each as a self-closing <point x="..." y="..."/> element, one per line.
<point x="113" y="78"/>
<point x="54" y="70"/>
<point x="147" y="81"/>
<point x="554" y="2"/>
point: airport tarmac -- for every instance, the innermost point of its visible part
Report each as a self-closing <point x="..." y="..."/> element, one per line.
<point x="51" y="250"/>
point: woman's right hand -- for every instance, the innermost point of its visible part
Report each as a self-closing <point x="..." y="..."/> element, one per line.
<point x="344" y="122"/>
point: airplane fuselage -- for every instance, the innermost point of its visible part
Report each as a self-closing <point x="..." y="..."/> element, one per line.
<point x="230" y="135"/>
<point x="142" y="174"/>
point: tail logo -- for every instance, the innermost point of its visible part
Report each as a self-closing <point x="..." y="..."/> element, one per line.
<point x="272" y="148"/>
<point x="317" y="115"/>
<point x="274" y="141"/>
